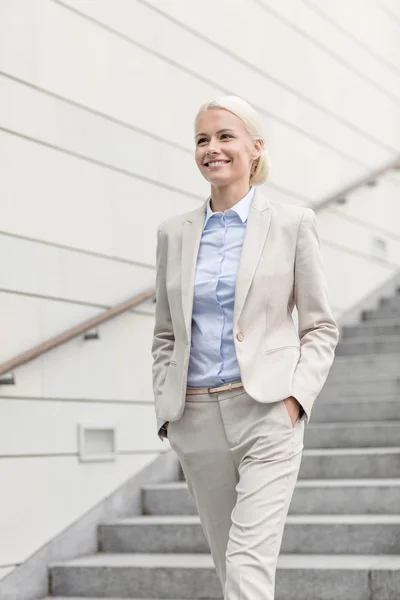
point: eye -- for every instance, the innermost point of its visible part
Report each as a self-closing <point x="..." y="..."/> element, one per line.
<point x="202" y="140"/>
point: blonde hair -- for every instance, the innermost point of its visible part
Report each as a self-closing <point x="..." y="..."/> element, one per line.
<point x="261" y="167"/>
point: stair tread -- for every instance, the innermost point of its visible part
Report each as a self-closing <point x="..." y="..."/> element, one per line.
<point x="389" y="481"/>
<point x="167" y="485"/>
<point x="342" y="424"/>
<point x="376" y="322"/>
<point x="330" y="396"/>
<point x="371" y="338"/>
<point x="367" y="482"/>
<point x="359" y="519"/>
<point x="361" y="358"/>
<point x="350" y="451"/>
<point x="201" y="561"/>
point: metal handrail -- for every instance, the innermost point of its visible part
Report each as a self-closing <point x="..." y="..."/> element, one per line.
<point x="73" y="332"/>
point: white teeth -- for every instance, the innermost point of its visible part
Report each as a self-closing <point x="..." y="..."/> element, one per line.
<point x="219" y="162"/>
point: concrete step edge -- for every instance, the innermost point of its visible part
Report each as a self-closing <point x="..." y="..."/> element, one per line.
<point x="358" y="361"/>
<point x="199" y="561"/>
<point x="375" y="356"/>
<point x="382" y="450"/>
<point x="327" y="400"/>
<point x="332" y="483"/>
<point x="369" y="338"/>
<point x="329" y="483"/>
<point x="349" y="424"/>
<point x="375" y="323"/>
<point x="168" y="485"/>
<point x="301" y="519"/>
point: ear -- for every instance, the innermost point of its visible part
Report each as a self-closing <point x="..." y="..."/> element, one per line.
<point x="257" y="149"/>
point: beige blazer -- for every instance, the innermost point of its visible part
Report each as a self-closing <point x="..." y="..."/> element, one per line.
<point x="280" y="267"/>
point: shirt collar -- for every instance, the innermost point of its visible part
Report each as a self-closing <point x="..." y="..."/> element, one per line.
<point x="241" y="208"/>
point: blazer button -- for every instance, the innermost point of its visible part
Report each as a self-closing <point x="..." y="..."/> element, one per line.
<point x="240" y="336"/>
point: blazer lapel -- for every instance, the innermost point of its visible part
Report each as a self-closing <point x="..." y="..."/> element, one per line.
<point x="257" y="229"/>
<point x="191" y="238"/>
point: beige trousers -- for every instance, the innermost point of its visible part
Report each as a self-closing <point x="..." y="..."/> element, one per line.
<point x="241" y="460"/>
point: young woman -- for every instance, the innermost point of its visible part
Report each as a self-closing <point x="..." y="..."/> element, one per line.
<point x="234" y="380"/>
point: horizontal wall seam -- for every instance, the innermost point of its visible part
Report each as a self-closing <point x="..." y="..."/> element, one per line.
<point x="306" y="200"/>
<point x="368" y="226"/>
<point x="323" y="241"/>
<point x="339" y="59"/>
<point x="259" y="71"/>
<point x="132" y="175"/>
<point x="382" y="262"/>
<point x="75" y="250"/>
<point x="102" y="164"/>
<point x="94" y="111"/>
<point x="227" y="91"/>
<point x="390" y="13"/>
<point x="76" y="454"/>
<point x="378" y="57"/>
<point x="79" y="400"/>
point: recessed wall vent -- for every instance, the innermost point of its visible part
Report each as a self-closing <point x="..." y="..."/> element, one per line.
<point x="97" y="442"/>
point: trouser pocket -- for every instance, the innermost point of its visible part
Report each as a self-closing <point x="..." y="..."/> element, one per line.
<point x="287" y="416"/>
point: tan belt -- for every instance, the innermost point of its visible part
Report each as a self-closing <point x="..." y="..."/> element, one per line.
<point x="210" y="390"/>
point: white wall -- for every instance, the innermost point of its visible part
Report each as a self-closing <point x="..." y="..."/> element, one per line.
<point x="354" y="268"/>
<point x="97" y="101"/>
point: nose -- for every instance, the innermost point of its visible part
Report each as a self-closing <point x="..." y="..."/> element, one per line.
<point x="212" y="152"/>
<point x="213" y="147"/>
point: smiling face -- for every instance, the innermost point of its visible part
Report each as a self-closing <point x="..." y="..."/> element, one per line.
<point x="224" y="149"/>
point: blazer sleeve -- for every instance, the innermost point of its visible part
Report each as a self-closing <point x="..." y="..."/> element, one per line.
<point x="163" y="334"/>
<point x="318" y="329"/>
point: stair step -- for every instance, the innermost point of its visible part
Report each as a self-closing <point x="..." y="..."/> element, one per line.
<point x="381" y="313"/>
<point x="343" y="399"/>
<point x="355" y="434"/>
<point x="360" y="388"/>
<point x="298" y="577"/>
<point x="395" y="299"/>
<point x="348" y="463"/>
<point x="372" y="328"/>
<point x="348" y="410"/>
<point x="384" y="344"/>
<point x="303" y="534"/>
<point x="329" y="496"/>
<point x="366" y="367"/>
<point x="333" y="463"/>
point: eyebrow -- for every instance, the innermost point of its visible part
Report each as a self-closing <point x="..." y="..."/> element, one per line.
<point x="220" y="131"/>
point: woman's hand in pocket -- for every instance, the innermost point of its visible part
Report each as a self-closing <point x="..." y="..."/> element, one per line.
<point x="293" y="407"/>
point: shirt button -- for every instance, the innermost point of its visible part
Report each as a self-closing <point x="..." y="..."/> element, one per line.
<point x="240" y="336"/>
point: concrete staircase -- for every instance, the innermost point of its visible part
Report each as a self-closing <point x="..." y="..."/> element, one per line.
<point x="342" y="536"/>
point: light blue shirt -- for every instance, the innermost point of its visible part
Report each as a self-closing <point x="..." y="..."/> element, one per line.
<point x="213" y="359"/>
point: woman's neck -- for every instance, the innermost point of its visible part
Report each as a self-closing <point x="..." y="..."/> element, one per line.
<point x="224" y="197"/>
